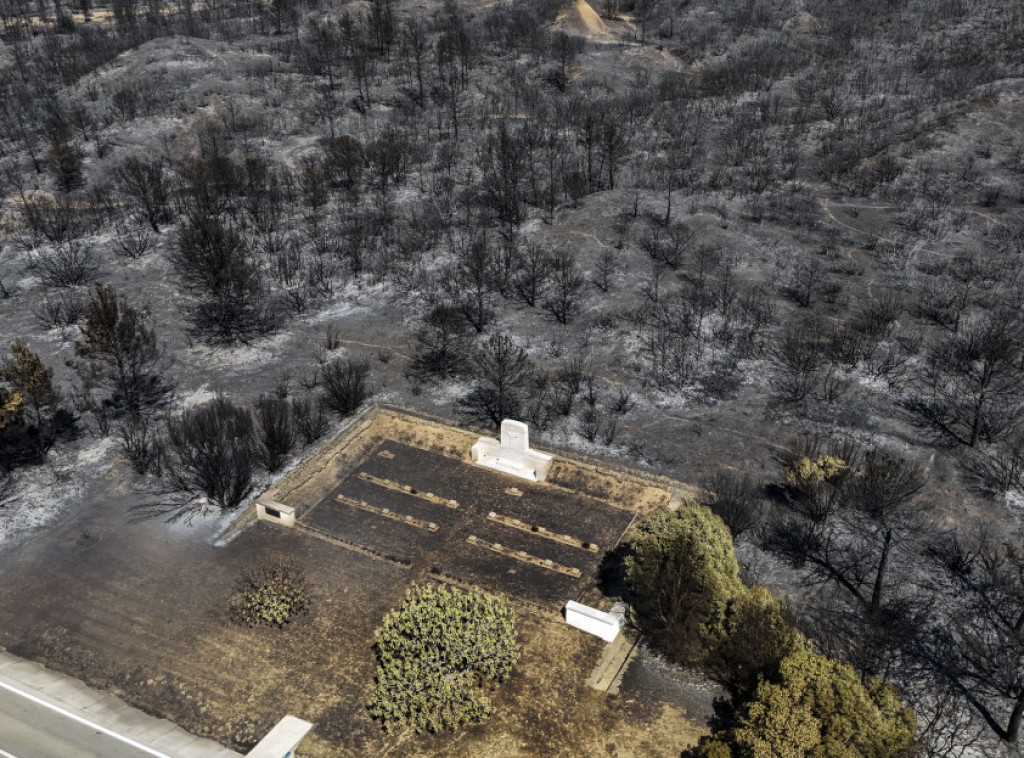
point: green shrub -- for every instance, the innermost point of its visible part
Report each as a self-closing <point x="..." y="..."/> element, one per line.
<point x="271" y="594"/>
<point x="712" y="747"/>
<point x="805" y="474"/>
<point x="435" y="654"/>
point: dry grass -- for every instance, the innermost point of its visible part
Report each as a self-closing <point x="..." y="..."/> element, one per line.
<point x="143" y="614"/>
<point x="546" y="709"/>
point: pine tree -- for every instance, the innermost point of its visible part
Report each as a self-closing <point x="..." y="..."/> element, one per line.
<point x="815" y="706"/>
<point x="118" y="342"/>
<point x="30" y="379"/>
<point x="10" y="408"/>
<point x="685" y="578"/>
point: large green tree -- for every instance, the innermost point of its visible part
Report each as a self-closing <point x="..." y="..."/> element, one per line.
<point x="815" y="707"/>
<point x="684" y="578"/>
<point x="435" y="653"/>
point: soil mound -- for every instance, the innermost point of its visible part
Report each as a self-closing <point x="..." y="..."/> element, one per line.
<point x="579" y="18"/>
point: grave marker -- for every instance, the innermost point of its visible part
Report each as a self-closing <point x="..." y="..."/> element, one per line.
<point x="515" y="435"/>
<point x="604" y="625"/>
<point x="512" y="454"/>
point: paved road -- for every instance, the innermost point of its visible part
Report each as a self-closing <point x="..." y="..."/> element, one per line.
<point x="44" y="714"/>
<point x="31" y="730"/>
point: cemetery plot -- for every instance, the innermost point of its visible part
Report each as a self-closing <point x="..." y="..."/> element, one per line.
<point x="536" y="541"/>
<point x="430" y="526"/>
<point x="369" y="527"/>
<point x="556" y="509"/>
<point x="430" y="497"/>
<point x="139" y="607"/>
<point x="540" y="531"/>
<point x="517" y="539"/>
<point x="502" y="571"/>
<point x="522" y="555"/>
<point x="404" y="503"/>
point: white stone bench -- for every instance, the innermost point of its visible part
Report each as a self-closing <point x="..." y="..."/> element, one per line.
<point x="512" y="454"/>
<point x="604" y="625"/>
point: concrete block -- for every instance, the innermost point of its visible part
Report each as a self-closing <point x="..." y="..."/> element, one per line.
<point x="282" y="740"/>
<point x="275" y="512"/>
<point x="590" y="620"/>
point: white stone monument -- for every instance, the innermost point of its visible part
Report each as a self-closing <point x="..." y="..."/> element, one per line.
<point x="512" y="455"/>
<point x="604" y="625"/>
<point x="282" y="740"/>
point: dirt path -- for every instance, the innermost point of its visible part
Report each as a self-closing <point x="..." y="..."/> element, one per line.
<point x="828" y="205"/>
<point x="390" y="348"/>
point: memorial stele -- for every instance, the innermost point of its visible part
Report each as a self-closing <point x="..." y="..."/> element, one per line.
<point x="512" y="454"/>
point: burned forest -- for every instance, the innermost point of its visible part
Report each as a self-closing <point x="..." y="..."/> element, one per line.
<point x="773" y="249"/>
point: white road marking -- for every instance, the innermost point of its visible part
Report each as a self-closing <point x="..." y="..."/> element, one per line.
<point x="80" y="720"/>
<point x="5" y="754"/>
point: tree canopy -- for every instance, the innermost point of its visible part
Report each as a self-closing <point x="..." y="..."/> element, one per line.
<point x="120" y="345"/>
<point x="816" y="707"/>
<point x="210" y="452"/>
<point x="684" y="576"/>
<point x="30" y="378"/>
<point x="10" y="407"/>
<point x="790" y="702"/>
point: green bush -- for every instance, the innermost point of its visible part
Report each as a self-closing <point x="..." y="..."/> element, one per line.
<point x="712" y="748"/>
<point x="804" y="474"/>
<point x="684" y="577"/>
<point x="436" y="652"/>
<point x="271" y="594"/>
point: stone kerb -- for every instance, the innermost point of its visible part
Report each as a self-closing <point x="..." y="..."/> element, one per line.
<point x="282" y="740"/>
